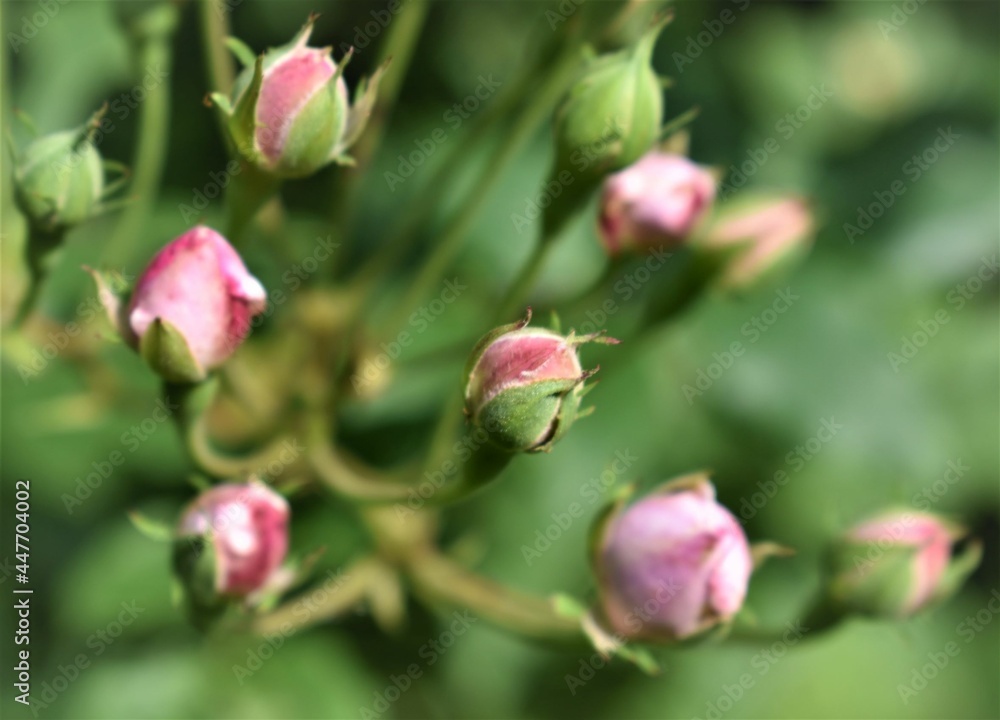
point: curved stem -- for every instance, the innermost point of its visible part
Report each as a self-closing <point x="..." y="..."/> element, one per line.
<point x="346" y="476"/>
<point x="323" y="603"/>
<point x="189" y="405"/>
<point x="154" y="124"/>
<point x="440" y="580"/>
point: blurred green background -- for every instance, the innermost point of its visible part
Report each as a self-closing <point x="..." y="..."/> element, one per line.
<point x="897" y="74"/>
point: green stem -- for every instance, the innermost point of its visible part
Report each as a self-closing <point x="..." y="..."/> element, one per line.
<point x="220" y="65"/>
<point x="189" y="404"/>
<point x="441" y="581"/>
<point x="294" y="615"/>
<point x="247" y="193"/>
<point x="451" y="241"/>
<point x="520" y="290"/>
<point x="40" y="252"/>
<point x="428" y="197"/>
<point x="154" y="124"/>
<point x="400" y="45"/>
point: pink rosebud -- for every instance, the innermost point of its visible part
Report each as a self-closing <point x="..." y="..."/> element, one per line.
<point x="656" y="202"/>
<point x="290" y="113"/>
<point x="898" y="563"/>
<point x="247" y="527"/>
<point x="672" y="565"/>
<point x="199" y="287"/>
<point x="525" y="385"/>
<point x="757" y="236"/>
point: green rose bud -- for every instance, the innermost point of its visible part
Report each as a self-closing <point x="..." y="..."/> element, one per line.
<point x="898" y="563"/>
<point x="609" y="119"/>
<point x="59" y="178"/>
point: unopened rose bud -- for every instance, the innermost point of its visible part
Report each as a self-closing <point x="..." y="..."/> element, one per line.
<point x="611" y="116"/>
<point x="192" y="306"/>
<point x="754" y="239"/>
<point x="290" y="112"/>
<point x="525" y="385"/>
<point x="898" y="563"/>
<point x="244" y="530"/>
<point x="657" y="202"/>
<point x="673" y="564"/>
<point x="59" y="178"/>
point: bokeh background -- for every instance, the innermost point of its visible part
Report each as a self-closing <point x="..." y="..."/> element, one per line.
<point x="897" y="75"/>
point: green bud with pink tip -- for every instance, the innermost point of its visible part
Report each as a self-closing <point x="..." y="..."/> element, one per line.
<point x="290" y="113"/>
<point x="525" y="385"/>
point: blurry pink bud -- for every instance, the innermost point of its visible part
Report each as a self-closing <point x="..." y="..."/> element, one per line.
<point x="758" y="236"/>
<point x="246" y="526"/>
<point x="673" y="564"/>
<point x="525" y="385"/>
<point x="657" y="202"/>
<point x="898" y="563"/>
<point x="197" y="295"/>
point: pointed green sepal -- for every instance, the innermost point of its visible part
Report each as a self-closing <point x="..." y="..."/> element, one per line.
<point x="243" y="119"/>
<point x="153" y="529"/>
<point x="365" y="97"/>
<point x="242" y="51"/>
<point x="166" y="351"/>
